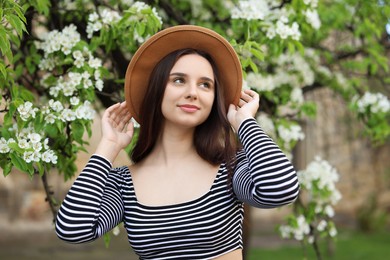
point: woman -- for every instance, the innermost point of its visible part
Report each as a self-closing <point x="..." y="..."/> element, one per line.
<point x="183" y="196"/>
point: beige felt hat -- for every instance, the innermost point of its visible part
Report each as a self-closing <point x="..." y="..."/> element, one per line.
<point x="181" y="37"/>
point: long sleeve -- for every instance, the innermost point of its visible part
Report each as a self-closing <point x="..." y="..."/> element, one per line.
<point x="263" y="176"/>
<point x="93" y="205"/>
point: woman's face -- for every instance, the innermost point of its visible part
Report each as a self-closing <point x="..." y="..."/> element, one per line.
<point x="190" y="91"/>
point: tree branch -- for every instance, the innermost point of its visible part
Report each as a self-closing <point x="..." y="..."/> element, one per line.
<point x="49" y="196"/>
<point x="314" y="86"/>
<point x="283" y="3"/>
<point x="171" y="12"/>
<point x="315" y="244"/>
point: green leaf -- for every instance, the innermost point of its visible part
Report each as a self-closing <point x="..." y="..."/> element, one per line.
<point x="18" y="162"/>
<point x="15" y="147"/>
<point x="258" y="54"/>
<point x="51" y="130"/>
<point x="3" y="70"/>
<point x="107" y="239"/>
<point x="7" y="169"/>
<point x="4" y="42"/>
<point x="42" y="6"/>
<point x="77" y="131"/>
<point x="6" y="165"/>
<point x="8" y="119"/>
<point x="41" y="169"/>
<point x="16" y="23"/>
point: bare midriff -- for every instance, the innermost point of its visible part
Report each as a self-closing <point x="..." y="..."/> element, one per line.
<point x="234" y="255"/>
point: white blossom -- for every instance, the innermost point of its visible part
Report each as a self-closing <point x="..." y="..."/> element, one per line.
<point x="375" y="102"/>
<point x="75" y="78"/>
<point x="285" y="231"/>
<point x="250" y="10"/>
<point x="46" y="143"/>
<point x="93" y="17"/>
<point x="260" y="82"/>
<point x="47" y="63"/>
<point x="329" y="211"/>
<point x="26" y="110"/>
<point x="68" y="89"/>
<point x="140" y="6"/>
<point x="50" y="118"/>
<point x="96" y="23"/>
<point x="333" y="232"/>
<point x="87" y="83"/>
<point x="49" y="157"/>
<point x="77" y="55"/>
<point x="55" y="40"/>
<point x="36" y="146"/>
<point x="54" y="91"/>
<point x="86" y="75"/>
<point x="28" y="156"/>
<point x="284" y="30"/>
<point x="322" y="173"/>
<point x="67" y="115"/>
<point x="74" y="101"/>
<point x="322" y="225"/>
<point x="116" y="231"/>
<point x="85" y="111"/>
<point x="99" y="84"/>
<point x="23" y="143"/>
<point x="292" y="133"/>
<point x="297" y="95"/>
<point x="109" y="16"/>
<point x="34" y="138"/>
<point x="313" y="19"/>
<point x="311" y="3"/>
<point x="266" y="123"/>
<point x="4" y="148"/>
<point x="56" y="105"/>
<point x="79" y="62"/>
<point x="36" y="156"/>
<point x="97" y="74"/>
<point x="95" y="63"/>
<point x="270" y="32"/>
<point x="93" y="27"/>
<point x="302" y="229"/>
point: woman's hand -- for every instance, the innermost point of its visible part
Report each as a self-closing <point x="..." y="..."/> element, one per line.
<point x="117" y="131"/>
<point x="247" y="107"/>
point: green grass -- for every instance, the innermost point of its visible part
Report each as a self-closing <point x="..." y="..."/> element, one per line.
<point x="350" y="245"/>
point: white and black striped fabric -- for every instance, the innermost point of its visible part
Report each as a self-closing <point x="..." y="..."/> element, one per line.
<point x="204" y="228"/>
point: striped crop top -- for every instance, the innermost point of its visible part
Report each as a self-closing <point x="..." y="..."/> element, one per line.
<point x="204" y="228"/>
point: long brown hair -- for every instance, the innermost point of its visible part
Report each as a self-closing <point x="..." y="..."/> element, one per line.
<point x="214" y="139"/>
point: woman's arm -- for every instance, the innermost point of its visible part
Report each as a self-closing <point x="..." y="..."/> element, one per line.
<point x="93" y="205"/>
<point x="263" y="176"/>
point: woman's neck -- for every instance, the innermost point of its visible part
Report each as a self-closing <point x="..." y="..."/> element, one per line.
<point x="174" y="145"/>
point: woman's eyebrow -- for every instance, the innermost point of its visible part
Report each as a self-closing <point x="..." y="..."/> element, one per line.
<point x="178" y="74"/>
<point x="184" y="75"/>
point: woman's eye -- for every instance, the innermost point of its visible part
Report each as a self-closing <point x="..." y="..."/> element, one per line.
<point x="178" y="80"/>
<point x="205" y="85"/>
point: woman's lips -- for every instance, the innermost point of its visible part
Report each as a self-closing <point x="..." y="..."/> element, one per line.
<point x="189" y="108"/>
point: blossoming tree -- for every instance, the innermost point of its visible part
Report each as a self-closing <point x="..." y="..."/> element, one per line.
<point x="60" y="57"/>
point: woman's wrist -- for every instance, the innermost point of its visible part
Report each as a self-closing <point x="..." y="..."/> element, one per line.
<point x="108" y="150"/>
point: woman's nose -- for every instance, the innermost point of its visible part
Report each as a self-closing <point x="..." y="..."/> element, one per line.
<point x="192" y="91"/>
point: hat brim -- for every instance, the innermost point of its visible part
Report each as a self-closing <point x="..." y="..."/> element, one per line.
<point x="181" y="37"/>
